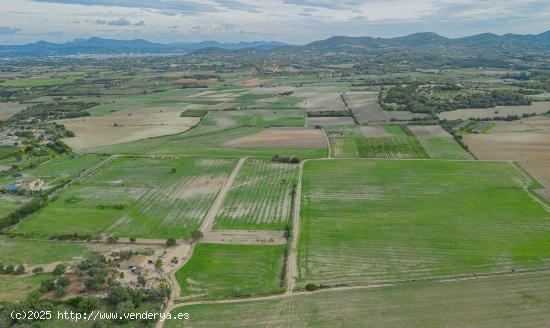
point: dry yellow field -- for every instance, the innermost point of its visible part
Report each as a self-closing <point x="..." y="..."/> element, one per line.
<point x="126" y="125"/>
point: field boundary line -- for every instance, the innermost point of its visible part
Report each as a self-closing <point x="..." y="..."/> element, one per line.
<point x="292" y="261"/>
<point x="94" y="169"/>
<point x="329" y="154"/>
<point x="488" y="275"/>
<point x="216" y="206"/>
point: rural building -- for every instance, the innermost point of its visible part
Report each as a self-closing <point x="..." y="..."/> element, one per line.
<point x="480" y="127"/>
<point x="136" y="264"/>
<point x="34" y="184"/>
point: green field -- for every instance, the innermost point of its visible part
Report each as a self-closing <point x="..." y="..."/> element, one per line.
<point x="9" y="203"/>
<point x="220" y="271"/>
<point x="7" y="151"/>
<point x="381" y="220"/>
<point x="444" y="148"/>
<point x="16" y="288"/>
<point x="519" y="301"/>
<point x="41" y="82"/>
<point x="260" y="197"/>
<point x="390" y="147"/>
<point x="29" y="252"/>
<point x="140" y="197"/>
<point x="217" y="128"/>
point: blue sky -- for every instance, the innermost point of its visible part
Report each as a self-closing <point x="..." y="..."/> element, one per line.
<point x="291" y="21"/>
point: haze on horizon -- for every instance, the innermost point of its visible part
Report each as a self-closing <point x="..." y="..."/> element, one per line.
<point x="290" y="21"/>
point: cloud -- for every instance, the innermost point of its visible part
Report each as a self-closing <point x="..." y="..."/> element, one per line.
<point x="160" y="5"/>
<point x="6" y="30"/>
<point x="329" y="4"/>
<point x="238" y="5"/>
<point x="119" y="22"/>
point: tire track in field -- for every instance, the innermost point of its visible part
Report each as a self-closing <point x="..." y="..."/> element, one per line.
<point x="216" y="206"/>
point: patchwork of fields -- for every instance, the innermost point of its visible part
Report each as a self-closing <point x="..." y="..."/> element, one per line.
<point x="260" y="197"/>
<point x="371" y="221"/>
<point x="153" y="198"/>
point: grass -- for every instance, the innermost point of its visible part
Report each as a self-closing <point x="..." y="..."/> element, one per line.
<point x="7" y="151"/>
<point x="518" y="301"/>
<point x="370" y="221"/>
<point x="170" y="98"/>
<point x="30" y="252"/>
<point x="220" y="271"/>
<point x="260" y="197"/>
<point x="217" y="128"/>
<point x="9" y="203"/>
<point x="396" y="130"/>
<point x="139" y="197"/>
<point x="16" y="288"/>
<point x="390" y="147"/>
<point x="40" y="82"/>
<point x="444" y="148"/>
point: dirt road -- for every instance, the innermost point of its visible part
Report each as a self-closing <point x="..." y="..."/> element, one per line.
<point x="292" y="266"/>
<point x="209" y="219"/>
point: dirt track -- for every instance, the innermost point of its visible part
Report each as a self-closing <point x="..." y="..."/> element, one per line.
<point x="209" y="219"/>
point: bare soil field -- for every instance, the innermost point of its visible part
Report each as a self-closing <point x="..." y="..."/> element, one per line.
<point x="515" y="146"/>
<point x="338" y="120"/>
<point x="130" y="125"/>
<point x="318" y="99"/>
<point x="374" y="131"/>
<point x="541" y="172"/>
<point x="7" y="109"/>
<point x="254" y="82"/>
<point x="425" y="131"/>
<point x="366" y="109"/>
<point x="528" y="124"/>
<point x="281" y="138"/>
<point x="539" y="107"/>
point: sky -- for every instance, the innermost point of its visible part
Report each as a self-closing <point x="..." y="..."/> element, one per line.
<point x="289" y="21"/>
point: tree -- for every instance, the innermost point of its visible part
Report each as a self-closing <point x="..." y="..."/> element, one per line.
<point x="47" y="285"/>
<point x="8" y="269"/>
<point x="60" y="291"/>
<point x="63" y="281"/>
<point x="310" y="287"/>
<point x="158" y="264"/>
<point x="170" y="242"/>
<point x="196" y="234"/>
<point x="117" y="295"/>
<point x="20" y="269"/>
<point x="38" y="270"/>
<point x="112" y="239"/>
<point x="59" y="269"/>
<point x="141" y="280"/>
<point x="132" y="239"/>
<point x="174" y="170"/>
<point x="88" y="304"/>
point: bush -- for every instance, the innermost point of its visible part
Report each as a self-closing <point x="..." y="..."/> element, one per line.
<point x="196" y="234"/>
<point x="170" y="242"/>
<point x="63" y="281"/>
<point x="8" y="269"/>
<point x="20" y="269"/>
<point x="310" y="287"/>
<point x="38" y="270"/>
<point x="59" y="269"/>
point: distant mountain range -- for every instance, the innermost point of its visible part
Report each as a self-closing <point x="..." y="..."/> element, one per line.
<point x="419" y="41"/>
<point x="111" y="46"/>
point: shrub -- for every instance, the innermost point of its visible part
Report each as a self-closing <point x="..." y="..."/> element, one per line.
<point x="8" y="269"/>
<point x="38" y="270"/>
<point x="59" y="269"/>
<point x="311" y="287"/>
<point x="196" y="234"/>
<point x="20" y="269"/>
<point x="63" y="281"/>
<point x="170" y="242"/>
